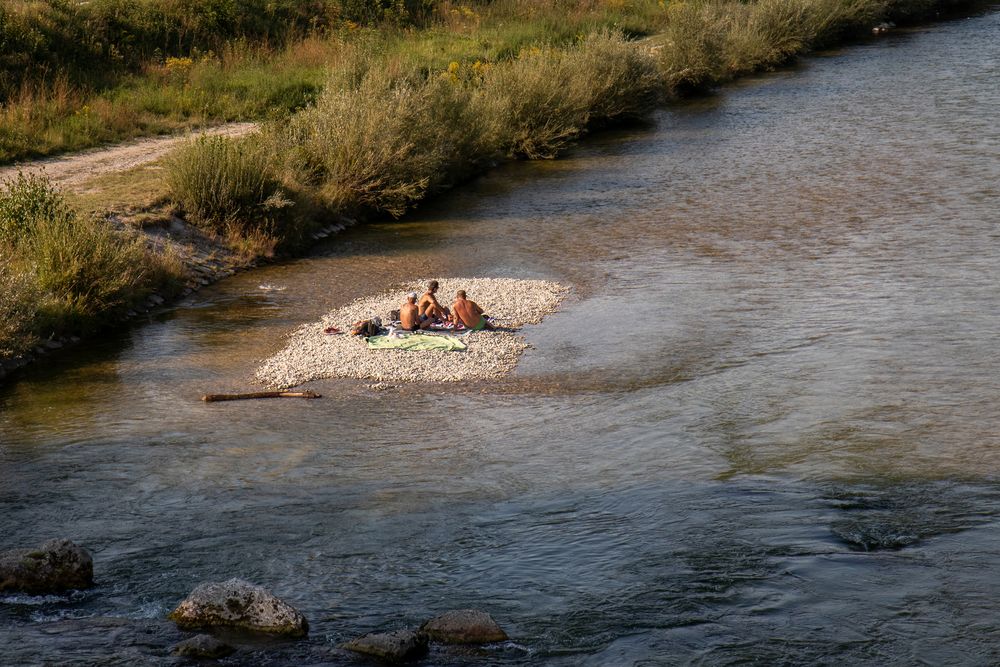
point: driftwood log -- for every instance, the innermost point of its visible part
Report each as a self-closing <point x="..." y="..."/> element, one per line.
<point x="210" y="398"/>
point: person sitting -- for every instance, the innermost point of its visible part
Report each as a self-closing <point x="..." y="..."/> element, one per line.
<point x="429" y="306"/>
<point x="409" y="315"/>
<point x="468" y="313"/>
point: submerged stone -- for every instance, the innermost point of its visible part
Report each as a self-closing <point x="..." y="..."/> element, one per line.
<point x="464" y="626"/>
<point x="202" y="646"/>
<point x="238" y="604"/>
<point x="396" y="646"/>
<point x="874" y="536"/>
<point x="56" y="566"/>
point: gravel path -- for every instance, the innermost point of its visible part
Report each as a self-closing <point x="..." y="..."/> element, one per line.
<point x="313" y="355"/>
<point x="76" y="168"/>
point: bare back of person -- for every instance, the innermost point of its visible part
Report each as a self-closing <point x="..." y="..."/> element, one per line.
<point x="468" y="312"/>
<point x="409" y="315"/>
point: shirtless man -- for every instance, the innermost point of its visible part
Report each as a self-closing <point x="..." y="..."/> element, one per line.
<point x="409" y="315"/>
<point x="468" y="312"/>
<point x="429" y="306"/>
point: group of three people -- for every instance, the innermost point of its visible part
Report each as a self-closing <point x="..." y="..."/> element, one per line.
<point x="415" y="315"/>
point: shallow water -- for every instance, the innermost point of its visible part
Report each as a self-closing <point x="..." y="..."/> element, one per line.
<point x="761" y="430"/>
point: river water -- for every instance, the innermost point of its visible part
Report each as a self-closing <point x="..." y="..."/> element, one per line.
<point x="763" y="429"/>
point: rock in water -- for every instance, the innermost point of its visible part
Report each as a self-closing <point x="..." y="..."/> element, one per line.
<point x="202" y="646"/>
<point x="56" y="566"/>
<point x="238" y="604"/>
<point x="397" y="646"/>
<point x="464" y="626"/>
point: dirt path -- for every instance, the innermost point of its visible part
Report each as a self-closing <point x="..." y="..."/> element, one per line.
<point x="72" y="169"/>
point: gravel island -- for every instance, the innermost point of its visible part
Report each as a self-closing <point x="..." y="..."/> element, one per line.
<point x="312" y="354"/>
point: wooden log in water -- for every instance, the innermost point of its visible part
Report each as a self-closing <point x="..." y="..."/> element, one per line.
<point x="210" y="398"/>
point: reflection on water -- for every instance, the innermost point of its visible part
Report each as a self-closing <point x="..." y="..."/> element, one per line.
<point x="761" y="429"/>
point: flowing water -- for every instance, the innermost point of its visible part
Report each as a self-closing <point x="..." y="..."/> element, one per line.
<point x="763" y="429"/>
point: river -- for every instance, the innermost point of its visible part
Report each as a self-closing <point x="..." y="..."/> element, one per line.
<point x="763" y="428"/>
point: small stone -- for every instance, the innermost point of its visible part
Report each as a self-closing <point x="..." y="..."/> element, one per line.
<point x="53" y="344"/>
<point x="55" y="566"/>
<point x="464" y="626"/>
<point x="238" y="604"/>
<point x="202" y="646"/>
<point x="396" y="646"/>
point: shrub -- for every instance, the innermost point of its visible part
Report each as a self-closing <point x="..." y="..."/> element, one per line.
<point x="222" y="181"/>
<point x="714" y="40"/>
<point x="24" y="201"/>
<point x="87" y="268"/>
<point x="620" y="77"/>
<point x="547" y="97"/>
<point x="542" y="107"/>
<point x="72" y="270"/>
<point x="383" y="144"/>
<point x="694" y="50"/>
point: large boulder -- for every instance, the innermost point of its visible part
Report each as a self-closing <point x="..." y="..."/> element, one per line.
<point x="54" y="567"/>
<point x="397" y="646"/>
<point x="202" y="646"/>
<point x="464" y="626"/>
<point x="238" y="604"/>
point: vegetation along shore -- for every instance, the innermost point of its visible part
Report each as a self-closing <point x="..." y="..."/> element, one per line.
<point x="365" y="109"/>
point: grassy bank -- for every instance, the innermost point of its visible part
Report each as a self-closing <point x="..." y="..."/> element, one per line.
<point x="63" y="274"/>
<point x="371" y="118"/>
<point x="401" y="118"/>
<point x="74" y="75"/>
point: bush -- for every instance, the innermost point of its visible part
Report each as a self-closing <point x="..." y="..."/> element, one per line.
<point x="542" y="107"/>
<point x="383" y="144"/>
<point x="620" y="77"/>
<point x="89" y="271"/>
<point x="547" y="97"/>
<point x="711" y="41"/>
<point x="72" y="271"/>
<point x="221" y="182"/>
<point x="24" y="201"/>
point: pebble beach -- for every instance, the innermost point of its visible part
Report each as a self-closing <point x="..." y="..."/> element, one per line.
<point x="312" y="354"/>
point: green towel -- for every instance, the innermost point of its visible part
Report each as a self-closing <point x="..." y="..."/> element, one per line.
<point x="416" y="341"/>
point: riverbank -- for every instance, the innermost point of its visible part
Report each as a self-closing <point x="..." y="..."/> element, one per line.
<point x="374" y="145"/>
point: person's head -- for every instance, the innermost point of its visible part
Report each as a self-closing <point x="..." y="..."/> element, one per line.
<point x="411" y="297"/>
<point x="460" y="294"/>
<point x="432" y="286"/>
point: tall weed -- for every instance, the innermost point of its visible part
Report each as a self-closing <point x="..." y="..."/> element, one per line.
<point x="19" y="296"/>
<point x="25" y="202"/>
<point x="540" y="103"/>
<point x="73" y="270"/>
<point x="710" y="41"/>
<point x="222" y="181"/>
<point x="384" y="144"/>
<point x="88" y="269"/>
